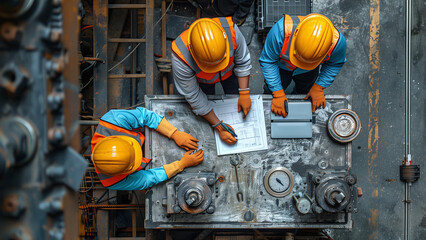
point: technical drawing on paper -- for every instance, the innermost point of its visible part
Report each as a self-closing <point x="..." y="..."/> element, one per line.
<point x="251" y="131"/>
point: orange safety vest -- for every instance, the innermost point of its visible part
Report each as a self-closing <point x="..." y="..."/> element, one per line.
<point x="106" y="129"/>
<point x="290" y="25"/>
<point x="181" y="49"/>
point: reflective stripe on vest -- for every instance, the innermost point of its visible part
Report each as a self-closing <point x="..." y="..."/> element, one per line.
<point x="106" y="129"/>
<point x="181" y="49"/>
<point x="108" y="180"/>
<point x="110" y="132"/>
<point x="290" y="24"/>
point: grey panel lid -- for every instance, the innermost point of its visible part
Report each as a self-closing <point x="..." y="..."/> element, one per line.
<point x="297" y="111"/>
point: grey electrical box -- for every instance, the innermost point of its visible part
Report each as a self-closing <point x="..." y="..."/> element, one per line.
<point x="270" y="11"/>
<point x="297" y="124"/>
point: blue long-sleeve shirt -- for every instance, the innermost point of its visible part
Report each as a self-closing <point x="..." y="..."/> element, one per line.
<point x="134" y="119"/>
<point x="270" y="60"/>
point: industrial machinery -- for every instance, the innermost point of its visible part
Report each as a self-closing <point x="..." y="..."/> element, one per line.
<point x="295" y="183"/>
<point x="40" y="170"/>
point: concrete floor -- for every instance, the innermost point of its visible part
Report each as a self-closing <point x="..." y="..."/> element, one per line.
<point x="374" y="75"/>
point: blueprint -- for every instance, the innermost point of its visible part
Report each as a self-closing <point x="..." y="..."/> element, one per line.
<point x="251" y="131"/>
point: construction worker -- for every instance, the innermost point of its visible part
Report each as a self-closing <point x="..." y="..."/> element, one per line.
<point x="117" y="150"/>
<point x="211" y="51"/>
<point x="294" y="49"/>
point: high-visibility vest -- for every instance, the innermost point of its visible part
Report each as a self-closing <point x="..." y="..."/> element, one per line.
<point x="106" y="129"/>
<point x="290" y="25"/>
<point x="181" y="49"/>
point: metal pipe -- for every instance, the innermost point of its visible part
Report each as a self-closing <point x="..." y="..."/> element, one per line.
<point x="88" y="122"/>
<point x="408" y="14"/>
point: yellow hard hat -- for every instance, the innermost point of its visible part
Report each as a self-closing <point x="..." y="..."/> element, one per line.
<point x="312" y="40"/>
<point x="208" y="45"/>
<point x="117" y="155"/>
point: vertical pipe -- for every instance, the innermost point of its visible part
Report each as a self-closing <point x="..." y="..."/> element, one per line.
<point x="408" y="14"/>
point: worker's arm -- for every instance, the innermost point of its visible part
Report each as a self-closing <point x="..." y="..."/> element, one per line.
<point x="141" y="179"/>
<point x="147" y="178"/>
<point x="242" y="71"/>
<point x="331" y="67"/>
<point x="187" y="85"/>
<point x="241" y="56"/>
<point x="133" y="119"/>
<point x="141" y="117"/>
<point x="270" y="56"/>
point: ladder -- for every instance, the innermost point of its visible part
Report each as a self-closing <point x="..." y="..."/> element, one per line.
<point x="101" y="76"/>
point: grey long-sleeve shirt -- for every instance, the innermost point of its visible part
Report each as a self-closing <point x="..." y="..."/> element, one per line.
<point x="186" y="81"/>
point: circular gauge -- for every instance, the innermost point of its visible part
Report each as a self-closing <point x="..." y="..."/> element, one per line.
<point x="278" y="182"/>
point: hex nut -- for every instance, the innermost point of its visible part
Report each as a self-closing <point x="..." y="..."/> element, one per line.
<point x="13" y="79"/>
<point x="13" y="205"/>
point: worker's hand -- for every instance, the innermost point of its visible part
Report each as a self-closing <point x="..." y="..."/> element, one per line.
<point x="185" y="140"/>
<point x="279" y="104"/>
<point x="244" y="102"/>
<point x="226" y="133"/>
<point x="317" y="95"/>
<point x="191" y="158"/>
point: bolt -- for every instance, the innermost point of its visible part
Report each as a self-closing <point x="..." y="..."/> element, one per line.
<point x="170" y="113"/>
<point x="177" y="180"/>
<point x="350" y="179"/>
<point x="55" y="35"/>
<point x="13" y="205"/>
<point x="317" y="209"/>
<point x="211" y="181"/>
<point x="52" y="206"/>
<point x="8" y="31"/>
<point x="338" y="197"/>
<point x="13" y="79"/>
<point x="55" y="100"/>
<point x="176" y="209"/>
<point x="211" y="209"/>
<point x="317" y="179"/>
<point x="56" y="135"/>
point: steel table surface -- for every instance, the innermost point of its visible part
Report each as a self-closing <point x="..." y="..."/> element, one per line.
<point x="298" y="155"/>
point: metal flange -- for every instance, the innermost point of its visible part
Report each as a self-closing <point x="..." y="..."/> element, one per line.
<point x="344" y="125"/>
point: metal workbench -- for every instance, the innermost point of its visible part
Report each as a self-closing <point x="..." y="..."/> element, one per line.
<point x="297" y="155"/>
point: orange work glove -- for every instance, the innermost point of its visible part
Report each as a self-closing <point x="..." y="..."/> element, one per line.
<point x="317" y="95"/>
<point x="189" y="159"/>
<point x="244" y="102"/>
<point x="166" y="128"/>
<point x="279" y="104"/>
<point x="185" y="140"/>
<point x="226" y="132"/>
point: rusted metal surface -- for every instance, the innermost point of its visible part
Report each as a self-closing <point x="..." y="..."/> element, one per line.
<point x="100" y="71"/>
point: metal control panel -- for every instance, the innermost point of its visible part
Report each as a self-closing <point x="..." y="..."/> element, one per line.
<point x="296" y="183"/>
